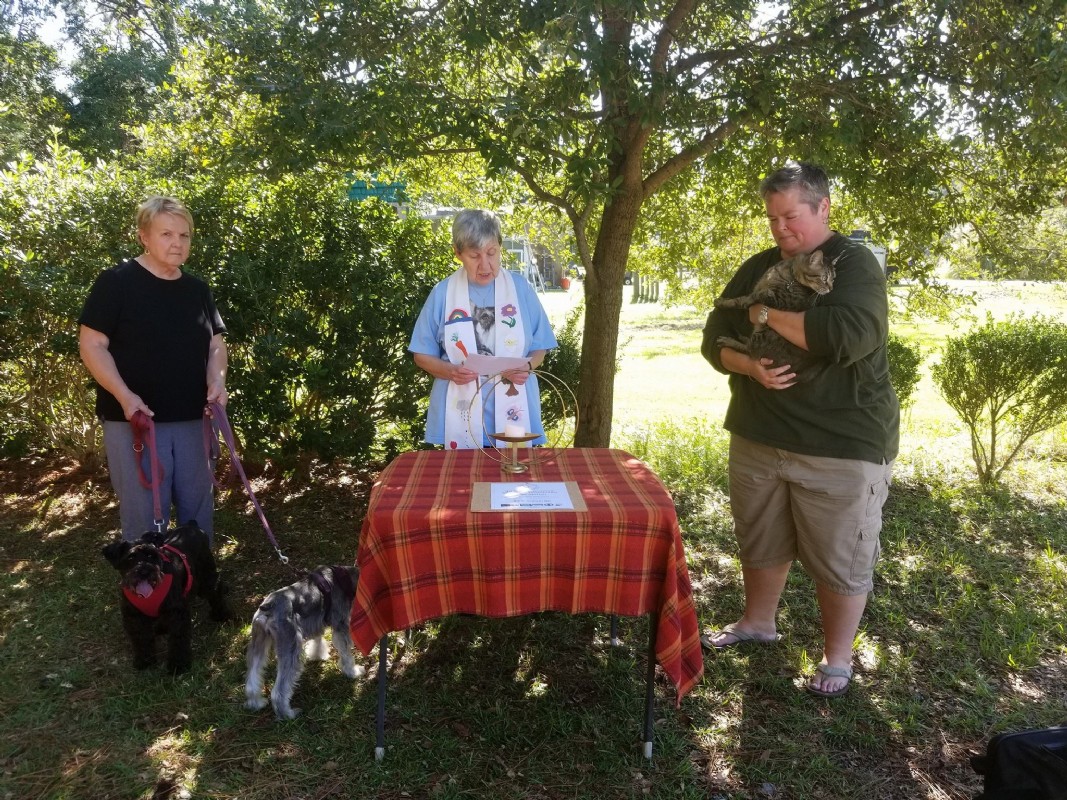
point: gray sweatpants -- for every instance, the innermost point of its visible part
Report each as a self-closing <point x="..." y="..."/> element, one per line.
<point x="186" y="477"/>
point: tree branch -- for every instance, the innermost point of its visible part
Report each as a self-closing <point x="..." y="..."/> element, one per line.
<point x="668" y="35"/>
<point x="539" y="191"/>
<point x="779" y="43"/>
<point x="681" y="160"/>
<point x="579" y="220"/>
<point x="581" y="239"/>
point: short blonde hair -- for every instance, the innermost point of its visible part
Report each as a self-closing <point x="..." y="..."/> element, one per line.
<point x="155" y="205"/>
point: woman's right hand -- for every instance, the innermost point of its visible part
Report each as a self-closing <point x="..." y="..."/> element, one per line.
<point x="763" y="372"/>
<point x="460" y="375"/>
<point x="131" y="404"/>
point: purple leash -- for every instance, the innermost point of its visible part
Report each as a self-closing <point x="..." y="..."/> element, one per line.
<point x="144" y="434"/>
<point x="215" y="424"/>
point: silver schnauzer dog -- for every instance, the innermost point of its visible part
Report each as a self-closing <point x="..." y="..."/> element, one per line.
<point x="293" y="620"/>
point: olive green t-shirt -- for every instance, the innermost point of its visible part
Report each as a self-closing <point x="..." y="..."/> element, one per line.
<point x="849" y="409"/>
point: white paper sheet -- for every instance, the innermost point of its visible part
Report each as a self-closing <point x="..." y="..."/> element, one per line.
<point x="532" y="495"/>
<point x="493" y="365"/>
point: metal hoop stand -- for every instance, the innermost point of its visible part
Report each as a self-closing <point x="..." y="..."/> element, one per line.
<point x="509" y="459"/>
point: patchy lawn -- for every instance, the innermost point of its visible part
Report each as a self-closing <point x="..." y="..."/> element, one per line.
<point x="964" y="637"/>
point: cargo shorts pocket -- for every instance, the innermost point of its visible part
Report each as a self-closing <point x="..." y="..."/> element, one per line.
<point x="877" y="494"/>
<point x="865" y="556"/>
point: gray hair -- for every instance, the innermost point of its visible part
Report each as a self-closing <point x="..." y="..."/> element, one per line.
<point x="156" y="205"/>
<point x="475" y="228"/>
<point x="810" y="179"/>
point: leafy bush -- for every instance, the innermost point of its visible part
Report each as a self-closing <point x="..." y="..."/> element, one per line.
<point x="904" y="362"/>
<point x="689" y="456"/>
<point x="563" y="363"/>
<point x="319" y="296"/>
<point x="62" y="220"/>
<point x="1007" y="381"/>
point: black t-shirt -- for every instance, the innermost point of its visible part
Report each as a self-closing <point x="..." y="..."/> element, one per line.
<point x="159" y="332"/>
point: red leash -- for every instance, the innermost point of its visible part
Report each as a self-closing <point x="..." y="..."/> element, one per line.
<point x="144" y="432"/>
<point x="215" y="424"/>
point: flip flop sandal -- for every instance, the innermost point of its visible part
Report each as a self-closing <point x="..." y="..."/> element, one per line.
<point x="830" y="672"/>
<point x="739" y="635"/>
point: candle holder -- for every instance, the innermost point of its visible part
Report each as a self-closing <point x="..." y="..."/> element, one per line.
<point x="508" y="456"/>
<point x="511" y="462"/>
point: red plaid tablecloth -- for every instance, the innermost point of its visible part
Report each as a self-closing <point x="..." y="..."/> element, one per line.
<point x="423" y="553"/>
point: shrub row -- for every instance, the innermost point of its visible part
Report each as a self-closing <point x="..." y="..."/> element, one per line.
<point x="319" y="295"/>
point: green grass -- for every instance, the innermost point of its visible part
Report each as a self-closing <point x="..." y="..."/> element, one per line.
<point x="964" y="637"/>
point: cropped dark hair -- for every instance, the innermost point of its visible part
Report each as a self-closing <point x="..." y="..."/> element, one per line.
<point x="809" y="178"/>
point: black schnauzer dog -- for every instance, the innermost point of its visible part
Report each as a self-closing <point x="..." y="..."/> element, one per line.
<point x="292" y="619"/>
<point x="159" y="573"/>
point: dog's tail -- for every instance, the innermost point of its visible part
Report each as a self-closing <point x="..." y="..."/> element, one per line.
<point x="262" y="640"/>
<point x="260" y="643"/>
<point x="259" y="647"/>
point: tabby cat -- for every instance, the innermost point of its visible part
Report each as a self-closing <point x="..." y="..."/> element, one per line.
<point x="793" y="284"/>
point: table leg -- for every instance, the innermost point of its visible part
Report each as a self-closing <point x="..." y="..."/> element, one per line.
<point x="383" y="672"/>
<point x="653" y="623"/>
<point x="615" y="631"/>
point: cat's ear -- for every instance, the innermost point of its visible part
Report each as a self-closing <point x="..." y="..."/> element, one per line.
<point x="816" y="258"/>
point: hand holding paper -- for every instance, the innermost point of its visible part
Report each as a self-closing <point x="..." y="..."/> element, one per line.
<point x="493" y="365"/>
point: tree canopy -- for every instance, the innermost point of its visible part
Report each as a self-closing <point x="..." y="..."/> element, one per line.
<point x="600" y="107"/>
<point x="30" y="106"/>
<point x="645" y="126"/>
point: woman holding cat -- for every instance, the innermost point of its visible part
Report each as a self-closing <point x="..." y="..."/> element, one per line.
<point x="810" y="461"/>
<point x="480" y="308"/>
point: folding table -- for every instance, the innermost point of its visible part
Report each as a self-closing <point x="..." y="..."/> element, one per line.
<point x="424" y="553"/>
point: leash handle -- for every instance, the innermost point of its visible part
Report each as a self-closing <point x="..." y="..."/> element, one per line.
<point x="217" y="424"/>
<point x="144" y="432"/>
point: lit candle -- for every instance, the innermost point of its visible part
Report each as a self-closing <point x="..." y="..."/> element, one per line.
<point x="514" y="429"/>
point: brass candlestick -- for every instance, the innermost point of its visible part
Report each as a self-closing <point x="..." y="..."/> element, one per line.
<point x="512" y="463"/>
<point x="509" y="456"/>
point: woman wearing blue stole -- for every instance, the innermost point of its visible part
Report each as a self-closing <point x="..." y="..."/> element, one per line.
<point x="481" y="309"/>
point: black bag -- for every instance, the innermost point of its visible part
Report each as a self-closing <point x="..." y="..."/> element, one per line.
<point x="1027" y="765"/>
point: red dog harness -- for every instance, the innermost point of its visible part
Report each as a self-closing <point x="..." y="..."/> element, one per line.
<point x="149" y="606"/>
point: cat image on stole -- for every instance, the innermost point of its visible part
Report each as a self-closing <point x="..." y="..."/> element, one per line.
<point x="484" y="320"/>
<point x="793" y="284"/>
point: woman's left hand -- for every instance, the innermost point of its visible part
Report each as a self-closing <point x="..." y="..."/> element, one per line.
<point x="516" y="376"/>
<point x="520" y="376"/>
<point x="216" y="393"/>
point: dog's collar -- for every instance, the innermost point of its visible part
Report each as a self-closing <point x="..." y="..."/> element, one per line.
<point x="150" y="605"/>
<point x="340" y="576"/>
<point x="325" y="589"/>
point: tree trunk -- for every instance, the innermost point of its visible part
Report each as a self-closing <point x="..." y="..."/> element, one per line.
<point x="603" y="307"/>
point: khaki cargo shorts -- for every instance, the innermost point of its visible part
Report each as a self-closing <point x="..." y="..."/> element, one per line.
<point x="824" y="512"/>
